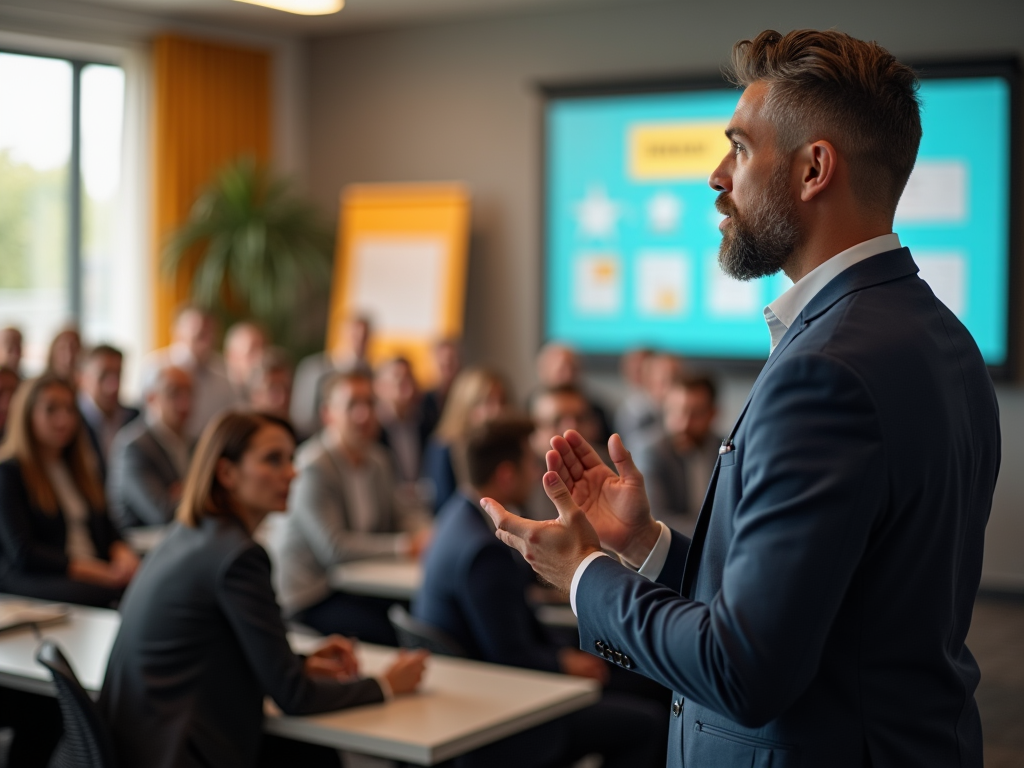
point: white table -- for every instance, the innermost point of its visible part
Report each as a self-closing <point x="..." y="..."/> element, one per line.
<point x="400" y="579"/>
<point x="462" y="704"/>
<point x="396" y="579"/>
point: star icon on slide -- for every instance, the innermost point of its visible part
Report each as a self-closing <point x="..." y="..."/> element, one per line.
<point x="664" y="211"/>
<point x="597" y="214"/>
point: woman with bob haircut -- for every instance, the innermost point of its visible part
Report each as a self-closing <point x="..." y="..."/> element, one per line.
<point x="57" y="541"/>
<point x="202" y="640"/>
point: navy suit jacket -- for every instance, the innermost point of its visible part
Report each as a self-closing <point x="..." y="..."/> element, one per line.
<point x="818" y="618"/>
<point x="474" y="588"/>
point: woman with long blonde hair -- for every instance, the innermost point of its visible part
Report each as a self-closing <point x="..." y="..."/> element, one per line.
<point x="476" y="396"/>
<point x="57" y="541"/>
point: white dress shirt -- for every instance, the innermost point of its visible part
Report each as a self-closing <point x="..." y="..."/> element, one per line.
<point x="779" y="315"/>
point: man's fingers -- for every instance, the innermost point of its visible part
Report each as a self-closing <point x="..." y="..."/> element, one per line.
<point x="559" y="495"/>
<point x="582" y="450"/>
<point x="511" y="529"/>
<point x="554" y="462"/>
<point x="623" y="460"/>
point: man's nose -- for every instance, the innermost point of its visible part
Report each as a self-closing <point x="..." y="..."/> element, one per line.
<point x="721" y="179"/>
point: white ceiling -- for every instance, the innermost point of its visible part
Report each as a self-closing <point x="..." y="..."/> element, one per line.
<point x="355" y="14"/>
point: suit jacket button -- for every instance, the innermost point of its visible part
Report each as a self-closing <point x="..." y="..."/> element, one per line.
<point x="618" y="657"/>
<point x="627" y="662"/>
<point x="677" y="708"/>
<point x="599" y="646"/>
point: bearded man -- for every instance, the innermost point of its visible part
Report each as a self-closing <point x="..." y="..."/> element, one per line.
<point x="818" y="615"/>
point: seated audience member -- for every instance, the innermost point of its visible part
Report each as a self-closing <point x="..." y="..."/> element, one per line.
<point x="677" y="466"/>
<point x="640" y="425"/>
<point x="11" y="347"/>
<point x="559" y="366"/>
<point x="345" y="505"/>
<point x="65" y="350"/>
<point x="636" y="410"/>
<point x="448" y="363"/>
<point x="99" y="400"/>
<point x="150" y="456"/>
<point x="270" y="385"/>
<point x="477" y="395"/>
<point x="474" y="589"/>
<point x="555" y="411"/>
<point x="351" y="354"/>
<point x="202" y="641"/>
<point x="192" y="349"/>
<point x="244" y="344"/>
<point x="56" y="540"/>
<point x="9" y="381"/>
<point x="400" y="416"/>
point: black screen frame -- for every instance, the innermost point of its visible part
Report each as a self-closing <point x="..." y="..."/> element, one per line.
<point x="1005" y="67"/>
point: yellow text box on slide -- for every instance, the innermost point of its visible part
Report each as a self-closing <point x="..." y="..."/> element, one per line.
<point x="676" y="150"/>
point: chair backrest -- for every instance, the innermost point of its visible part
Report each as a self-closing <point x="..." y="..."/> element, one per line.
<point x="413" y="633"/>
<point x="86" y="742"/>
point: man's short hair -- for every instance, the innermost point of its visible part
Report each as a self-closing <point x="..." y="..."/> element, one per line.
<point x="337" y="378"/>
<point x="828" y="85"/>
<point x="492" y="444"/>
<point x="103" y="350"/>
<point x="705" y="383"/>
<point x="273" y="360"/>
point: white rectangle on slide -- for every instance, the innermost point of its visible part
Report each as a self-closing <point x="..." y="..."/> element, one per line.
<point x="598" y="284"/>
<point x="663" y="281"/>
<point x="936" y="191"/>
<point x="946" y="273"/>
<point x="728" y="297"/>
<point x="398" y="284"/>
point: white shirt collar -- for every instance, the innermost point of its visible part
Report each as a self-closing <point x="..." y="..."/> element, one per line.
<point x="781" y="313"/>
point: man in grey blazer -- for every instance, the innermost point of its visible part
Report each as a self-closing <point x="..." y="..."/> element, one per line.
<point x="149" y="457"/>
<point x="677" y="465"/>
<point x="344" y="505"/>
<point x="818" y="615"/>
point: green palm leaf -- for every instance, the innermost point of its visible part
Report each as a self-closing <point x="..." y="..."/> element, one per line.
<point x="251" y="244"/>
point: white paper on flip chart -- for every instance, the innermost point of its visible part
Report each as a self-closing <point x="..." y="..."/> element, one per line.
<point x="398" y="283"/>
<point x="598" y="284"/>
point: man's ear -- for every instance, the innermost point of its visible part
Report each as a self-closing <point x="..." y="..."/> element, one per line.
<point x="818" y="161"/>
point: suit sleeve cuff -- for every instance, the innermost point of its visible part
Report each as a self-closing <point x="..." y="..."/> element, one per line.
<point x="579" y="575"/>
<point x="651" y="569"/>
<point x="385" y="688"/>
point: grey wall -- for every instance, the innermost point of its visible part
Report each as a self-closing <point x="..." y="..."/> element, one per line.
<point x="457" y="101"/>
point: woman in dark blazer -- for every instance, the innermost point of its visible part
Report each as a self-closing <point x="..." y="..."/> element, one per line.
<point x="202" y="640"/>
<point x="56" y="540"/>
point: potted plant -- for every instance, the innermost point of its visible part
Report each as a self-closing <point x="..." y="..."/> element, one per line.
<point x="255" y="248"/>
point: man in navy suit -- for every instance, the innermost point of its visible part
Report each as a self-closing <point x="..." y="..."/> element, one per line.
<point x="474" y="589"/>
<point x="818" y="616"/>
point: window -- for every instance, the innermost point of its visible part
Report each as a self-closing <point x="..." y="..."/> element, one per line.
<point x="60" y="180"/>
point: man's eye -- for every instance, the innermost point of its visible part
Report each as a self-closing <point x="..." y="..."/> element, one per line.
<point x="737" y="148"/>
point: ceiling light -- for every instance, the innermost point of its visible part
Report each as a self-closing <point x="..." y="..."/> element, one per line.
<point x="305" y="7"/>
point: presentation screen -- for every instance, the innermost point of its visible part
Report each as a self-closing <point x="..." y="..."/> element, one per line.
<point x="632" y="232"/>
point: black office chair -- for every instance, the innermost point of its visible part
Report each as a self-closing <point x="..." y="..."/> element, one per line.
<point x="86" y="742"/>
<point x="413" y="633"/>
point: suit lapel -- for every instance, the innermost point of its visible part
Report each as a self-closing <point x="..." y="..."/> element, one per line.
<point x="876" y="270"/>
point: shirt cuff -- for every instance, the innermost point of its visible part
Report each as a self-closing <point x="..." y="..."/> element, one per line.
<point x="579" y="575"/>
<point x="385" y="688"/>
<point x="651" y="569"/>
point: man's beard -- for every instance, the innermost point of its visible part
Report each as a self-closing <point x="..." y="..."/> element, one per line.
<point x="760" y="243"/>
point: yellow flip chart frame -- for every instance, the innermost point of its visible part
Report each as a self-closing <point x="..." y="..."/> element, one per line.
<point x="401" y="260"/>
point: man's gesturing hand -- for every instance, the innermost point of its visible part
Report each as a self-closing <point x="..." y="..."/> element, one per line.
<point x="554" y="548"/>
<point x="615" y="504"/>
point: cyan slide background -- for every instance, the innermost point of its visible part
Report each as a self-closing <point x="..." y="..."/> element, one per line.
<point x="965" y="120"/>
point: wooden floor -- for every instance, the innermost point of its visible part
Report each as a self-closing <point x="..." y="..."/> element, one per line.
<point x="997" y="642"/>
